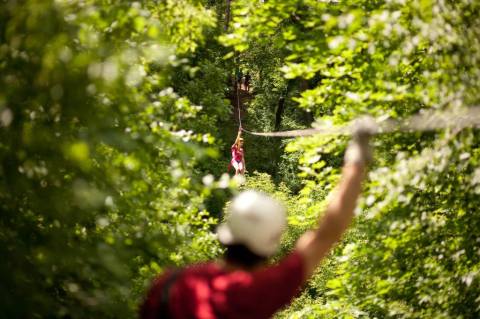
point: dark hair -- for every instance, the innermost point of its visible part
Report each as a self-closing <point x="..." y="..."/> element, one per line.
<point x="241" y="255"/>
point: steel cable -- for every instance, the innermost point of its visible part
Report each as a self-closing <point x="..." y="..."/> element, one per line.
<point x="424" y="121"/>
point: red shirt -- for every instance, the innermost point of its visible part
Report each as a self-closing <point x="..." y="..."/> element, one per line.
<point x="207" y="291"/>
<point x="237" y="153"/>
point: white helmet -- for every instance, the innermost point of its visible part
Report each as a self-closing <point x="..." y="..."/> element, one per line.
<point x="254" y="220"/>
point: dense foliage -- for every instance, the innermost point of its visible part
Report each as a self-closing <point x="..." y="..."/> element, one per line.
<point x="414" y="251"/>
<point x="116" y="119"/>
<point x="97" y="153"/>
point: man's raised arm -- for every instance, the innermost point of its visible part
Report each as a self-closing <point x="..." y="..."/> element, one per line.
<point x="315" y="245"/>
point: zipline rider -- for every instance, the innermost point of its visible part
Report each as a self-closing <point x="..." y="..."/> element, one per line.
<point x="238" y="159"/>
<point x="242" y="284"/>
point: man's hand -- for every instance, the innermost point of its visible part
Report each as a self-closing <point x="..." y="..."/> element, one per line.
<point x="359" y="150"/>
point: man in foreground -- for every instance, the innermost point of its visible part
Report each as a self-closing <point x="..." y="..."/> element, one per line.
<point x="242" y="285"/>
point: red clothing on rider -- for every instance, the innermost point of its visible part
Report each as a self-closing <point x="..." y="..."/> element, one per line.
<point x="208" y="291"/>
<point x="237" y="153"/>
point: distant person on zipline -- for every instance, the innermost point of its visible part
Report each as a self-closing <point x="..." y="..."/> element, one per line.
<point x="242" y="284"/>
<point x="238" y="159"/>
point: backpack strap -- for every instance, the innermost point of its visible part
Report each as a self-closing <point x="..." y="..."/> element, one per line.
<point x="165" y="297"/>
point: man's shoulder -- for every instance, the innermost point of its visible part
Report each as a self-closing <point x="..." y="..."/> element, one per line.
<point x="202" y="269"/>
<point x="191" y="270"/>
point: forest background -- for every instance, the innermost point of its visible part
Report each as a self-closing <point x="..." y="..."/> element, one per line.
<point x="116" y="119"/>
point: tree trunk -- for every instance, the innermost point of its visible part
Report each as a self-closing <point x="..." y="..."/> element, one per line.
<point x="227" y="14"/>
<point x="281" y="107"/>
<point x="279" y="113"/>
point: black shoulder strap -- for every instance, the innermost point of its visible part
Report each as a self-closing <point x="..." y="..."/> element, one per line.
<point x="165" y="297"/>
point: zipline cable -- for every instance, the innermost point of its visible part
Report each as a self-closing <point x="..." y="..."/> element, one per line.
<point x="238" y="106"/>
<point x="424" y="121"/>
